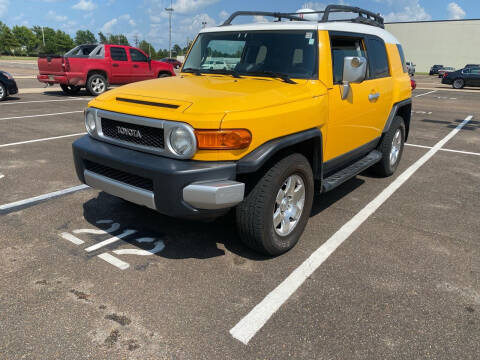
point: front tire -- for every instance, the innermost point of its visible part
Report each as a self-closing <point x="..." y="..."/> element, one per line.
<point x="458" y="84"/>
<point x="162" y="75"/>
<point x="273" y="216"/>
<point x="70" y="89"/>
<point x="391" y="147"/>
<point x="3" y="92"/>
<point x="97" y="84"/>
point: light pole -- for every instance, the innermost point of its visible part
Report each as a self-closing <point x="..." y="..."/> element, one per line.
<point x="204" y="23"/>
<point x="170" y="12"/>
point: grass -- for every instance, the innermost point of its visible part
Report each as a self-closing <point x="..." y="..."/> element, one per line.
<point x="421" y="73"/>
<point x="29" y="58"/>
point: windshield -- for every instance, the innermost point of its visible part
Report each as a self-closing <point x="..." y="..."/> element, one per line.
<point x="259" y="53"/>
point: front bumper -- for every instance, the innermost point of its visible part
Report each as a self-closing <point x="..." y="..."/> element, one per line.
<point x="11" y="86"/>
<point x="177" y="188"/>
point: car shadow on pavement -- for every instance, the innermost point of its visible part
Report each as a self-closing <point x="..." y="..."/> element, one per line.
<point x="324" y="201"/>
<point x="183" y="239"/>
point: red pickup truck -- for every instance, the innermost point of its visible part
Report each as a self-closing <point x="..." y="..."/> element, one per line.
<point x="95" y="67"/>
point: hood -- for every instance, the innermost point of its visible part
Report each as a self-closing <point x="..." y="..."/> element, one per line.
<point x="210" y="95"/>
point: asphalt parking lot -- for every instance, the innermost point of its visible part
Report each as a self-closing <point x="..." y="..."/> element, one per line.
<point x="86" y="275"/>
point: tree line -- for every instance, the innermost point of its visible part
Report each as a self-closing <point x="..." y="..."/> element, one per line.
<point x="25" y="41"/>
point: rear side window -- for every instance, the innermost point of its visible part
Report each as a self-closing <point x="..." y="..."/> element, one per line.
<point x="402" y="57"/>
<point x="118" y="54"/>
<point x="342" y="48"/>
<point x="377" y="54"/>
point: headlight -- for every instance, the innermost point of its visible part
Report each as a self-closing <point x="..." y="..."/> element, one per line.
<point x="182" y="141"/>
<point x="90" y="122"/>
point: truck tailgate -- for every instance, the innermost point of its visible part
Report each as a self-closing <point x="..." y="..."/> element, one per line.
<point x="51" y="65"/>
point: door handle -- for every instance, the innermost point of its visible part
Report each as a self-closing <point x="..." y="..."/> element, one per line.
<point x="373" y="97"/>
<point x="135" y="66"/>
<point x="115" y="65"/>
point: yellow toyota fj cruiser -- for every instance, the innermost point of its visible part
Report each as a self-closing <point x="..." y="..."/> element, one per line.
<point x="262" y="117"/>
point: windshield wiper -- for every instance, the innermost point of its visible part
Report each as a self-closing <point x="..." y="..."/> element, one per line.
<point x="193" y="71"/>
<point x="274" y="74"/>
<point x="234" y="73"/>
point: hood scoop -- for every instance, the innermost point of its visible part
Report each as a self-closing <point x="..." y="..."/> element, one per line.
<point x="148" y="103"/>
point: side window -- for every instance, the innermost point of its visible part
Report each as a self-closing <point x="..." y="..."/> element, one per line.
<point x="137" y="56"/>
<point x="341" y="48"/>
<point x="118" y="54"/>
<point x="379" y="62"/>
<point x="402" y="58"/>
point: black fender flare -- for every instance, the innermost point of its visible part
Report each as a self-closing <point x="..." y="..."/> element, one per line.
<point x="403" y="108"/>
<point x="253" y="161"/>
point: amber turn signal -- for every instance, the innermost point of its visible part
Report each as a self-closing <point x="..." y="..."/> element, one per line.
<point x="228" y="139"/>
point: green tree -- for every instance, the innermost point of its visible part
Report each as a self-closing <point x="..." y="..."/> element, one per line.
<point x="8" y="42"/>
<point x="26" y="39"/>
<point x="103" y="38"/>
<point x="85" y="37"/>
<point x="147" y="48"/>
<point x="63" y="42"/>
<point x="119" y="40"/>
<point x="177" y="50"/>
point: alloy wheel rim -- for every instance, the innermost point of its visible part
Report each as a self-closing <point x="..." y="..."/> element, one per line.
<point x="458" y="83"/>
<point x="2" y="92"/>
<point x="98" y="86"/>
<point x="289" y="205"/>
<point x="396" y="147"/>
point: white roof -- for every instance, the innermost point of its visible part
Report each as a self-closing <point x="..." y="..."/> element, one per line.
<point x="307" y="25"/>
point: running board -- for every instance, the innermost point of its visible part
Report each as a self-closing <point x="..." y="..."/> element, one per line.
<point x="347" y="173"/>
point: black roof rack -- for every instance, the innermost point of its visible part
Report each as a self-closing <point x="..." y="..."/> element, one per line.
<point x="364" y="16"/>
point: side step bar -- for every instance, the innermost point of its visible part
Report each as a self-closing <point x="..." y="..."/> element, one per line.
<point x="356" y="168"/>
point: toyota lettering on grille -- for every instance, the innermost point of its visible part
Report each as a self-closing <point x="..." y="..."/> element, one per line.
<point x="129" y="132"/>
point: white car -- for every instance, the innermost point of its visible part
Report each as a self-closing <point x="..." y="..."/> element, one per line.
<point x="411" y="68"/>
<point x="214" y="65"/>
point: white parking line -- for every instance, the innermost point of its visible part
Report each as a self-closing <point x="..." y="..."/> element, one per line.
<point x="39" y="198"/>
<point x="110" y="241"/>
<point x="72" y="238"/>
<point x="44" y="101"/>
<point x="43" y="139"/>
<point x="247" y="327"/>
<point x="448" y="150"/>
<point x="41" y="115"/>
<point x="122" y="265"/>
<point x="430" y="92"/>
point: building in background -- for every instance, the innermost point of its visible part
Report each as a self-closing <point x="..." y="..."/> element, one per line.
<point x="449" y="43"/>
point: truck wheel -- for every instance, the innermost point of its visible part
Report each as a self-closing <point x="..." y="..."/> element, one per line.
<point x="273" y="216"/>
<point x="97" y="84"/>
<point x="70" y="89"/>
<point x="3" y="92"/>
<point x="391" y="148"/>
<point x="458" y="84"/>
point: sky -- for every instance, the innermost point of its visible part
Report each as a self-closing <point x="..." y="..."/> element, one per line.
<point x="147" y="19"/>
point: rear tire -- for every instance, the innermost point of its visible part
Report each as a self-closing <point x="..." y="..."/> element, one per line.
<point x="391" y="148"/>
<point x="458" y="84"/>
<point x="275" y="200"/>
<point x="70" y="89"/>
<point x="3" y="92"/>
<point x="97" y="84"/>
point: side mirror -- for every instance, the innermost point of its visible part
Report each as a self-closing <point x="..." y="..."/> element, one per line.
<point x="354" y="71"/>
